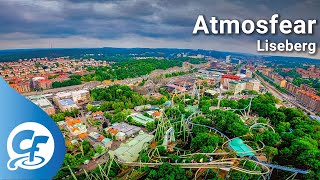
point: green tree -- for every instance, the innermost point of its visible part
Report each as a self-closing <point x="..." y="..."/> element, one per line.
<point x="270" y="152"/>
<point x="150" y="126"/>
<point x="58" y="117"/>
<point x="144" y="157"/>
<point x="168" y="172"/>
<point x="207" y="149"/>
<point x="89" y="107"/>
<point x="100" y="149"/>
<point x="70" y="160"/>
<point x="85" y="146"/>
<point x="204" y="139"/>
<point x="269" y="138"/>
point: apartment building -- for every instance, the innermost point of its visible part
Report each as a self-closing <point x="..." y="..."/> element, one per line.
<point x="310" y="100"/>
<point x="253" y="85"/>
<point x="236" y="87"/>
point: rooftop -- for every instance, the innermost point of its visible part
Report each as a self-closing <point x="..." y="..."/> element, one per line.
<point x="236" y="82"/>
<point x="317" y="118"/>
<point x="126" y="128"/>
<point x="73" y="122"/>
<point x="63" y="94"/>
<point x="79" y="92"/>
<point x="40" y="101"/>
<point x="141" y="119"/>
<point x="240" y="147"/>
<point x="66" y="102"/>
<point x="311" y="95"/>
<point x="227" y="76"/>
<point x="129" y="152"/>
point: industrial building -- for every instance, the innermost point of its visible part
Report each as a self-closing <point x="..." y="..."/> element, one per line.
<point x="123" y="127"/>
<point x="129" y="151"/>
<point x="78" y="97"/>
<point x="139" y="118"/>
<point x="67" y="105"/>
<point x="225" y="79"/>
<point x="61" y="95"/>
<point x="43" y="103"/>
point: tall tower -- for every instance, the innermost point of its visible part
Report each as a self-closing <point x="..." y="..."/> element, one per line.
<point x="219" y="97"/>
<point x="228" y="59"/>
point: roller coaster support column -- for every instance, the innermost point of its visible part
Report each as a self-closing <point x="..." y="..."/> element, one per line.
<point x="268" y="176"/>
<point x="292" y="176"/>
<point x="207" y="174"/>
<point x="227" y="176"/>
<point x="243" y="176"/>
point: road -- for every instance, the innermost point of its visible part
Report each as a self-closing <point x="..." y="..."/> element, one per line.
<point x="88" y="85"/>
<point x="283" y="97"/>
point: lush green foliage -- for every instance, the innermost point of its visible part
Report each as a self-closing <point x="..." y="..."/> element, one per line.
<point x="117" y="98"/>
<point x="61" y="115"/>
<point x="205" y="140"/>
<point x="299" y="148"/>
<point x="129" y="69"/>
<point x="74" y="80"/>
<point x="168" y="172"/>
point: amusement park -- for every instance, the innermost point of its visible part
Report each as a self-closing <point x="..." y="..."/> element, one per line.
<point x="207" y="137"/>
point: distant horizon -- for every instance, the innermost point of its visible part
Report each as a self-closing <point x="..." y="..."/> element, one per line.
<point x="243" y="53"/>
<point x="147" y="24"/>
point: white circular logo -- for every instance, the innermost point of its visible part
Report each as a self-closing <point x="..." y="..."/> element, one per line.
<point x="30" y="146"/>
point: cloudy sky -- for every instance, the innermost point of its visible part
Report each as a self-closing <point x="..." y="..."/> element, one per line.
<point x="142" y="23"/>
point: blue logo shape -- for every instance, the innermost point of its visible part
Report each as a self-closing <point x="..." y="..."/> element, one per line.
<point x="35" y="146"/>
<point x="30" y="146"/>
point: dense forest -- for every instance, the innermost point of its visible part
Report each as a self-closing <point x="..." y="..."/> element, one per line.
<point x="297" y="148"/>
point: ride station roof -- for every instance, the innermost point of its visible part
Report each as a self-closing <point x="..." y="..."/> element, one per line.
<point x="240" y="147"/>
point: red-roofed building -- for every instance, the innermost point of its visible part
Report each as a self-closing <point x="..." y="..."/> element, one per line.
<point x="225" y="79"/>
<point x="21" y="87"/>
<point x="45" y="84"/>
<point x="310" y="100"/>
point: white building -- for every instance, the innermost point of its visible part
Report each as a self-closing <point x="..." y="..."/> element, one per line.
<point x="35" y="81"/>
<point x="43" y="103"/>
<point x="253" y="85"/>
<point x="79" y="97"/>
<point x="236" y="87"/>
